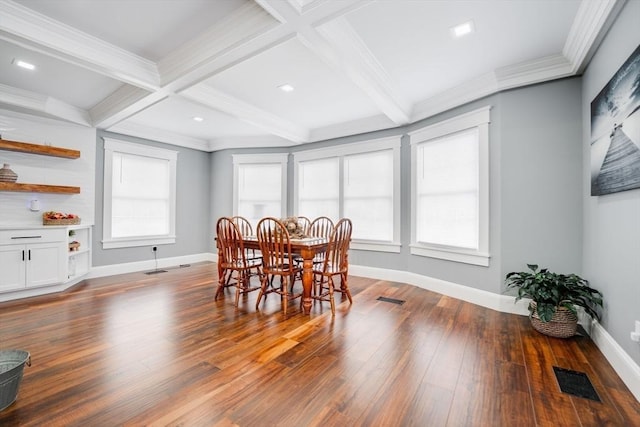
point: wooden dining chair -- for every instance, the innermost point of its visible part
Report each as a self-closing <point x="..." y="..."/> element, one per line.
<point x="246" y="230"/>
<point x="234" y="268"/>
<point x="336" y="263"/>
<point x="275" y="246"/>
<point x="305" y="223"/>
<point x="321" y="227"/>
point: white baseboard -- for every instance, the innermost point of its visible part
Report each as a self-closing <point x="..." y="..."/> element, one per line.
<point x="149" y="265"/>
<point x="33" y="292"/>
<point x="621" y="362"/>
<point x="625" y="367"/>
<point x="503" y="303"/>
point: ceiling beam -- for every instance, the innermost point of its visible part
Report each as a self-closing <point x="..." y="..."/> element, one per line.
<point x="327" y="34"/>
<point x="213" y="98"/>
<point x="43" y="105"/>
<point x="38" y="32"/>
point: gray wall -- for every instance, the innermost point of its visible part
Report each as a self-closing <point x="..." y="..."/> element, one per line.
<point x="192" y="206"/>
<point x="541" y="185"/>
<point x="535" y="187"/>
<point x="612" y="222"/>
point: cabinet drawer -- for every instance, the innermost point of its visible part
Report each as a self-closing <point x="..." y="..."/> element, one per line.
<point x="32" y="235"/>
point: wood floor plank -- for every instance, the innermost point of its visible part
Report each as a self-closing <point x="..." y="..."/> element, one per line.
<point x="158" y="350"/>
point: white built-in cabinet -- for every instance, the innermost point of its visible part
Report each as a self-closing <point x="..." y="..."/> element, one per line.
<point x="41" y="256"/>
<point x="32" y="257"/>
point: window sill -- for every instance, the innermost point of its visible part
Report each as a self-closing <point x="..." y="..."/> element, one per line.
<point x="138" y="241"/>
<point x="364" y="245"/>
<point x="465" y="256"/>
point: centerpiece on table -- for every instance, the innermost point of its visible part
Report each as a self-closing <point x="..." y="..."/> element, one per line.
<point x="294" y="227"/>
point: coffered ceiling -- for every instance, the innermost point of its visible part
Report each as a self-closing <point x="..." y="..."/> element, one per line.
<point x="147" y="68"/>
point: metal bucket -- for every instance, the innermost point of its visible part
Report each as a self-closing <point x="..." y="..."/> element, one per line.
<point x="11" y="367"/>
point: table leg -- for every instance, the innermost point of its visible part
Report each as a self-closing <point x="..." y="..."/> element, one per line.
<point x="307" y="278"/>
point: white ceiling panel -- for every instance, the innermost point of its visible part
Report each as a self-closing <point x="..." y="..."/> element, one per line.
<point x="52" y="77"/>
<point x="321" y="95"/>
<point x="423" y="59"/>
<point x="176" y="114"/>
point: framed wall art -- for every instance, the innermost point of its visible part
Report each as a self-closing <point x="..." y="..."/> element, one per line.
<point x="615" y="131"/>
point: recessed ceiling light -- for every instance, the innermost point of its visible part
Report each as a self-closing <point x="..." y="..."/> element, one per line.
<point x="22" y="64"/>
<point x="286" y="88"/>
<point x="198" y="119"/>
<point x="462" y="29"/>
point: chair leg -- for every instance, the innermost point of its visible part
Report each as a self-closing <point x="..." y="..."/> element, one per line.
<point x="263" y="289"/>
<point x="344" y="286"/>
<point x="219" y="290"/>
<point x="239" y="286"/>
<point x="223" y="281"/>
<point x="284" y="286"/>
<point x="331" y="300"/>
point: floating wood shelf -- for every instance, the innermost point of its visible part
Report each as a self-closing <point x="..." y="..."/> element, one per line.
<point x="38" y="188"/>
<point x="45" y="150"/>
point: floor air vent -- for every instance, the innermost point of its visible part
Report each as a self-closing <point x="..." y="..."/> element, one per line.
<point x="156" y="272"/>
<point x="391" y="300"/>
<point x="575" y="383"/>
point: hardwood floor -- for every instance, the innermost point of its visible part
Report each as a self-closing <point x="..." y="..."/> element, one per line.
<point x="158" y="350"/>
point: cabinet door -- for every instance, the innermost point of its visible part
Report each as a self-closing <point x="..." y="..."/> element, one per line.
<point x="46" y="263"/>
<point x="12" y="267"/>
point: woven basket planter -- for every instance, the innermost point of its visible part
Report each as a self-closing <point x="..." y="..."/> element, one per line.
<point x="563" y="324"/>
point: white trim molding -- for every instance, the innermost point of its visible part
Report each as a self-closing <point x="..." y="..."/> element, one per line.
<point x="480" y="120"/>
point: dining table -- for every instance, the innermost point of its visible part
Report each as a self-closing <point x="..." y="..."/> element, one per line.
<point x="307" y="248"/>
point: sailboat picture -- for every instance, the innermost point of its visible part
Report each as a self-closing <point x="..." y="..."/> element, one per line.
<point x="615" y="131"/>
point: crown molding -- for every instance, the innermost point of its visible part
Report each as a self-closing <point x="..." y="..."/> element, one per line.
<point x="353" y="127"/>
<point x="159" y="135"/>
<point x="245" y="24"/>
<point x="531" y="72"/>
<point x="348" y="53"/>
<point x="25" y="26"/>
<point x="234" y="142"/>
<point x="456" y="96"/>
<point x="42" y="104"/>
<point x="589" y="27"/>
<point x="271" y="123"/>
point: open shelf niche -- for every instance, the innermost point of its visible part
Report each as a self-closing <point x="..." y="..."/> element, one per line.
<point x="44" y="150"/>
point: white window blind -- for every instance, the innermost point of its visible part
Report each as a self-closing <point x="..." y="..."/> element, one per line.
<point x="359" y="181"/>
<point x="259" y="191"/>
<point x="319" y="188"/>
<point x="447" y="191"/>
<point x="139" y="195"/>
<point x="368" y="194"/>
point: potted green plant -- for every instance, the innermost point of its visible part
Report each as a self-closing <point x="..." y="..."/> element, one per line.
<point x="554" y="299"/>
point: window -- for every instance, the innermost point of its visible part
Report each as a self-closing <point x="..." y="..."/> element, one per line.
<point x="139" y="195"/>
<point x="259" y="183"/>
<point x="450" y="194"/>
<point x="319" y="188"/>
<point x="368" y="194"/>
<point x="359" y="181"/>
